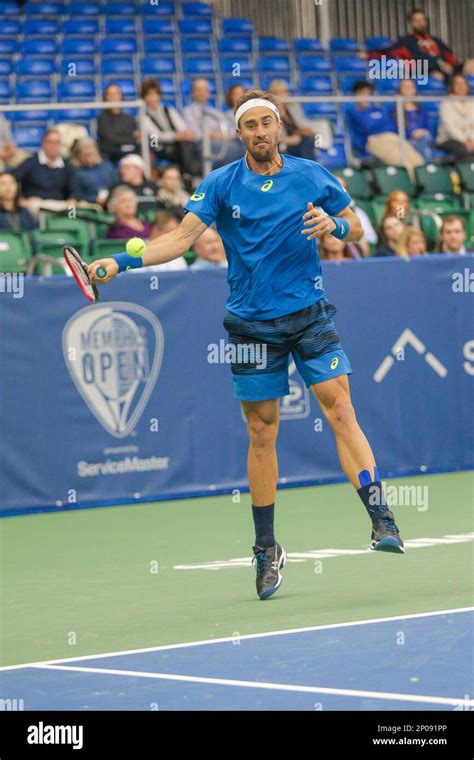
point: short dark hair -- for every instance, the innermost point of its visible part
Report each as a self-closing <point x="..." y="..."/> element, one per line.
<point x="416" y="10"/>
<point x="150" y="85"/>
<point x="453" y="218"/>
<point x="361" y="84"/>
<point x="251" y="94"/>
<point x="229" y="92"/>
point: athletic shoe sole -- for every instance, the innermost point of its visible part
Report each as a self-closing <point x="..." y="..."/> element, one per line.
<point x="388" y="544"/>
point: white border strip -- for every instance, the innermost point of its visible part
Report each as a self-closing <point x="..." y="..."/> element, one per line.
<point x="232" y="638"/>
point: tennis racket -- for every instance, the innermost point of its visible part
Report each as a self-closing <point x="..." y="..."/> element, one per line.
<point x="80" y="273"/>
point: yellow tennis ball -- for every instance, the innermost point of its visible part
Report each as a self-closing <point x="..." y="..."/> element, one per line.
<point x="135" y="247"/>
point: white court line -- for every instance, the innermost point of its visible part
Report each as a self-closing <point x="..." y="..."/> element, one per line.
<point x="232" y="638"/>
<point x="267" y="685"/>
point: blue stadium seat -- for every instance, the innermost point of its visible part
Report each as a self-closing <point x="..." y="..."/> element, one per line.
<point x="308" y="45"/>
<point x="233" y="45"/>
<point x="386" y="86"/>
<point x="28" y="138"/>
<point x="277" y="64"/>
<point x="228" y="65"/>
<point x="272" y="45"/>
<point x="349" y="64"/>
<point x="75" y="114"/>
<point x="265" y="81"/>
<point x="158" y="46"/>
<point x="84" y="9"/>
<point x="168" y="87"/>
<point x="432" y="87"/>
<point x="233" y="26"/>
<point x="117" y="27"/>
<point x="44" y="9"/>
<point x="117" y="67"/>
<point x="246" y="82"/>
<point x="118" y="47"/>
<point x="77" y="67"/>
<point x="5" y="91"/>
<point x="34" y="67"/>
<point x="80" y="90"/>
<point x="470" y="81"/>
<point x="191" y="45"/>
<point x="10" y="28"/>
<point x="432" y="120"/>
<point x="198" y="66"/>
<point x="158" y="9"/>
<point x="41" y="27"/>
<point x="377" y="43"/>
<point x="9" y="9"/>
<point x="80" y="47"/>
<point x="195" y="26"/>
<point x="6" y="67"/>
<point x="34" y="91"/>
<point x="312" y="63"/>
<point x="9" y="46"/>
<point x="45" y="47"/>
<point x="197" y="9"/>
<point x="128" y="86"/>
<point x="320" y="110"/>
<point x="318" y="85"/>
<point x="346" y="84"/>
<point x="120" y="9"/>
<point x="153" y="66"/>
<point x="157" y="27"/>
<point x="43" y="116"/>
<point x="84" y="26"/>
<point x="333" y="158"/>
<point x="343" y="45"/>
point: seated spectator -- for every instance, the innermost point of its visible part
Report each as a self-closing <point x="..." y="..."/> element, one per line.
<point x="456" y="121"/>
<point x="46" y="179"/>
<point x="414" y="242"/>
<point x="234" y="92"/>
<point x="12" y="215"/>
<point x="453" y="235"/>
<point x="94" y="175"/>
<point x="123" y="203"/>
<point x="166" y="221"/>
<point x="398" y="204"/>
<point x="421" y="46"/>
<point x="209" y="250"/>
<point x="373" y="131"/>
<point x="200" y="116"/>
<point x="170" y="137"/>
<point x="333" y="249"/>
<point x="171" y="191"/>
<point x="416" y="122"/>
<point x="132" y="173"/>
<point x="117" y="132"/>
<point x="298" y="134"/>
<point x="370" y="235"/>
<point x="392" y="230"/>
<point x="10" y="154"/>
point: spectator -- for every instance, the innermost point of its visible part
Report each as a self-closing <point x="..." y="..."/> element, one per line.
<point x="416" y="122"/>
<point x="392" y="230"/>
<point x="12" y="215"/>
<point x="10" y="155"/>
<point x="209" y="250"/>
<point x="372" y="130"/>
<point x="94" y="175"/>
<point x="200" y="116"/>
<point x="333" y="249"/>
<point x="422" y="46"/>
<point x="171" y="192"/>
<point x="123" y="203"/>
<point x="456" y="121"/>
<point x="46" y="178"/>
<point x="453" y="235"/>
<point x="298" y="135"/>
<point x="132" y="174"/>
<point x="166" y="221"/>
<point x="234" y="92"/>
<point x="116" y="131"/>
<point x="414" y="242"/>
<point x="398" y="204"/>
<point x="370" y="235"/>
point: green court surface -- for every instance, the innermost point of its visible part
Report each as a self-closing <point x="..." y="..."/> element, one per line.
<point x="104" y="580"/>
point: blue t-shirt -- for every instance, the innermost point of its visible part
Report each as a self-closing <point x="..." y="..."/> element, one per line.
<point x="273" y="269"/>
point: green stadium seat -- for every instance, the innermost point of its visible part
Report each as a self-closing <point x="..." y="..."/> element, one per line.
<point x="466" y="172"/>
<point x="51" y="243"/>
<point x="15" y="251"/>
<point x="64" y="225"/>
<point x="366" y="206"/>
<point x="101" y="249"/>
<point x="388" y="178"/>
<point x="432" y="179"/>
<point x="357" y="182"/>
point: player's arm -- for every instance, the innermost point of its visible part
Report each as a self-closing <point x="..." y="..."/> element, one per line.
<point x="317" y="224"/>
<point x="164" y="248"/>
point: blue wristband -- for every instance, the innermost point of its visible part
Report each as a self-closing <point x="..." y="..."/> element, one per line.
<point x="342" y="228"/>
<point x="125" y="261"/>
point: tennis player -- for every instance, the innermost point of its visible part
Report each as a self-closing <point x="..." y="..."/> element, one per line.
<point x="270" y="209"/>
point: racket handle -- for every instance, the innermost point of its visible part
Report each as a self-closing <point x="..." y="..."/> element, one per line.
<point x="101" y="272"/>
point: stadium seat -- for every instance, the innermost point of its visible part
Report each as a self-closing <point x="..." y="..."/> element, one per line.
<point x="168" y="87"/>
<point x="195" y="26"/>
<point x="121" y="27"/>
<point x="64" y="225"/>
<point x="43" y="47"/>
<point x="358" y="184"/>
<point x="15" y="251"/>
<point x="6" y="67"/>
<point x="9" y="47"/>
<point x="320" y="111"/>
<point x="388" y="178"/>
<point x="158" y="9"/>
<point x="466" y="172"/>
<point x="387" y="86"/>
<point x="308" y="45"/>
<point x="266" y="80"/>
<point x="76" y="115"/>
<point x="193" y="45"/>
<point x="9" y="9"/>
<point x="432" y="179"/>
<point x="84" y="9"/>
<point x="196" y="9"/>
<point x="34" y="67"/>
<point x="5" y="91"/>
<point x="229" y="65"/>
<point x="234" y="26"/>
<point x="159" y="46"/>
<point x="28" y="138"/>
<point x="41" y="115"/>
<point x="334" y="157"/>
<point x="432" y="86"/>
<point x="81" y="26"/>
<point x="377" y="43"/>
<point x="44" y="9"/>
<point x="308" y="64"/>
<point x="40" y="28"/>
<point x="77" y="67"/>
<point x="278" y="64"/>
<point x="79" y="47"/>
<point x="198" y="66"/>
<point x="120" y="9"/>
<point x="128" y="87"/>
<point x="126" y="46"/>
<point x="343" y="45"/>
<point x="117" y="67"/>
<point x="80" y="91"/>
<point x="234" y="45"/>
<point x="157" y="27"/>
<point x="346" y="84"/>
<point x="350" y="64"/>
<point x="105" y="248"/>
<point x="315" y="85"/>
<point x="10" y="28"/>
<point x="157" y="66"/>
<point x="272" y="45"/>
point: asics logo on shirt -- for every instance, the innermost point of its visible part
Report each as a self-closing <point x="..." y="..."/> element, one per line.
<point x="198" y="196"/>
<point x="267" y="186"/>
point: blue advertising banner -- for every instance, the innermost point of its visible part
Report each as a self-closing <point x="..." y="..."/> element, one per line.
<point x="131" y="398"/>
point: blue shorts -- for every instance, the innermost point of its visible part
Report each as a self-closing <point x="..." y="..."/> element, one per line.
<point x="260" y="350"/>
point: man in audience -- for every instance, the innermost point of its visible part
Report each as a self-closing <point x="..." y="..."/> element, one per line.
<point x="298" y="134"/>
<point x="209" y="251"/>
<point x="117" y="131"/>
<point x="46" y="178"/>
<point x="132" y="173"/>
<point x="453" y="235"/>
<point x="94" y="175"/>
<point x="10" y="155"/>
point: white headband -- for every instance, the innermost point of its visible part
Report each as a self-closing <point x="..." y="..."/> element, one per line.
<point x="253" y="104"/>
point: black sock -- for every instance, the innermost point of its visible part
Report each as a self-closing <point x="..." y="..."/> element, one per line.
<point x="373" y="499"/>
<point x="263" y="518"/>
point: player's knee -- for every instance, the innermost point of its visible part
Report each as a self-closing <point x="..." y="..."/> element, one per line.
<point x="340" y="411"/>
<point x="262" y="434"/>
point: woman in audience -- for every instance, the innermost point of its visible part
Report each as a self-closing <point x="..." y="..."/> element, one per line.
<point x="456" y="121"/>
<point x="171" y="192"/>
<point x="333" y="249"/>
<point x="416" y="121"/>
<point x="94" y="175"/>
<point x="392" y="229"/>
<point x="414" y="242"/>
<point x="117" y="131"/>
<point x="123" y="203"/>
<point x="398" y="204"/>
<point x="12" y="215"/>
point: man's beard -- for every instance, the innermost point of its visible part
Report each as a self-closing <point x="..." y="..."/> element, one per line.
<point x="263" y="157"/>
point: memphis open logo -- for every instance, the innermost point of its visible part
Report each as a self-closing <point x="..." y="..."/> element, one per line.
<point x="113" y="353"/>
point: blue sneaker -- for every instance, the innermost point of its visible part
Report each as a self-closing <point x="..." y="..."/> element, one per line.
<point x="386" y="536"/>
<point x="269" y="562"/>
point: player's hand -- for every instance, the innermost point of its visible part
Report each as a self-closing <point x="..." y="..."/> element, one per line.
<point x="317" y="223"/>
<point x="110" y="266"/>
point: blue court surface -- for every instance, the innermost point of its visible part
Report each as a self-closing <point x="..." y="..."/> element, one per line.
<point x="416" y="662"/>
